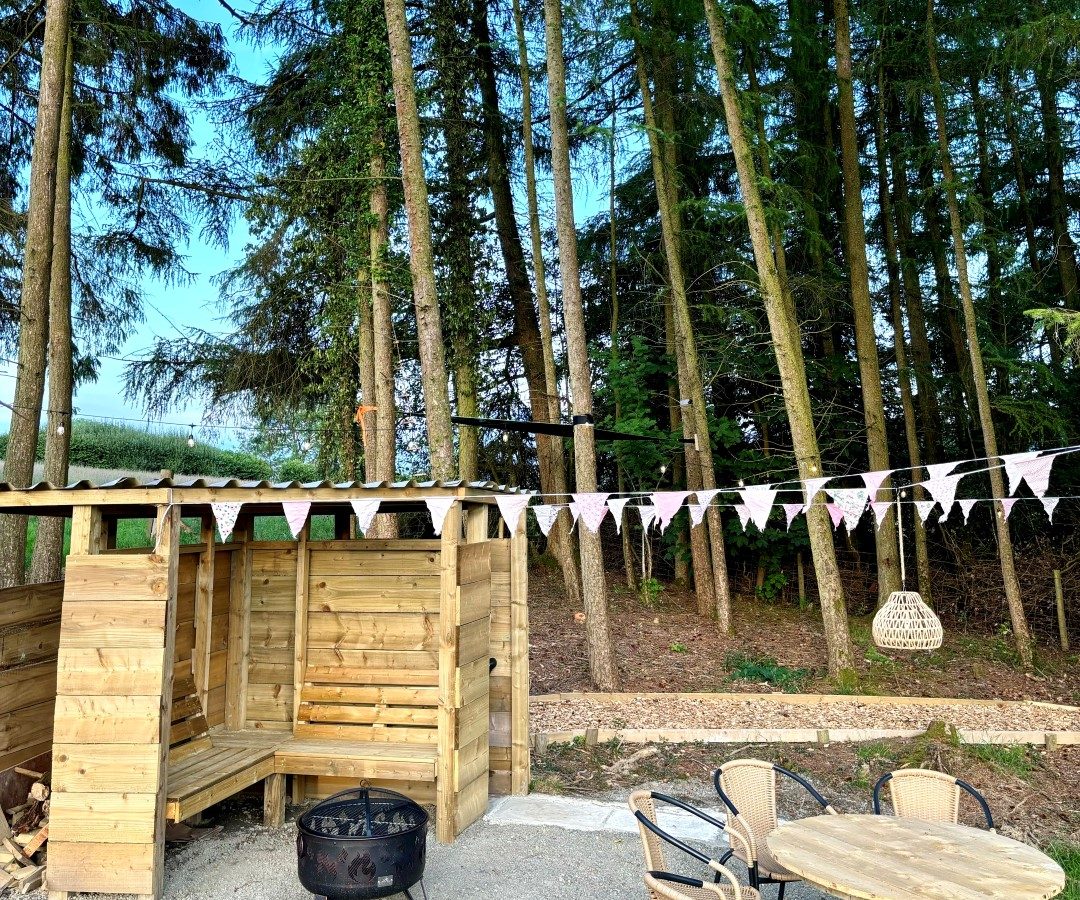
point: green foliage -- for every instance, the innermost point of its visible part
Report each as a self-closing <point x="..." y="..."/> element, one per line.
<point x="1067" y="855"/>
<point x="297" y="469"/>
<point x="678" y="647"/>
<point x="651" y="591"/>
<point x="744" y="667"/>
<point x="1013" y="759"/>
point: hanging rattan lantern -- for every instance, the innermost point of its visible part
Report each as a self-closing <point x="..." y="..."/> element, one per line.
<point x="904" y="621"/>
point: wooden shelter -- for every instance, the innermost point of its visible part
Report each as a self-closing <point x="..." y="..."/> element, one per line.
<point x="185" y="673"/>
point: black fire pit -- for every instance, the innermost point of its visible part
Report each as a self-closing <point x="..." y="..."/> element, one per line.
<point x="362" y="843"/>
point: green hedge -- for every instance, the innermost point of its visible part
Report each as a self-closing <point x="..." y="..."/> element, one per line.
<point x="104" y="446"/>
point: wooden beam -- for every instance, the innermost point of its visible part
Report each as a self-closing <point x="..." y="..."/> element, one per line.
<point x="445" y="798"/>
<point x="476" y="523"/>
<point x="274" y="801"/>
<point x="239" y="647"/>
<point x="300" y="627"/>
<point x="204" y="609"/>
<point x="520" y="773"/>
<point x="85" y="530"/>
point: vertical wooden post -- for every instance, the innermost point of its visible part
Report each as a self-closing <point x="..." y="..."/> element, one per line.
<point x="449" y="606"/>
<point x="274" y="801"/>
<point x="520" y="772"/>
<point x="239" y="648"/>
<point x="204" y="610"/>
<point x="300" y="625"/>
<point x="1059" y="603"/>
<point x="476" y="523"/>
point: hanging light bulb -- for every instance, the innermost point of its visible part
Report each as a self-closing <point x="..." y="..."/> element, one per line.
<point x="191" y="436"/>
<point x="60" y="429"/>
<point x="305" y="446"/>
<point x="663" y="469"/>
<point x="506" y="437"/>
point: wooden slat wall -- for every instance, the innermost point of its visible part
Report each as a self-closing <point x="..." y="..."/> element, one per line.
<point x="219" y="637"/>
<point x="501" y="695"/>
<point x="273" y="608"/>
<point x="185" y="612"/>
<point x="29" y="636"/>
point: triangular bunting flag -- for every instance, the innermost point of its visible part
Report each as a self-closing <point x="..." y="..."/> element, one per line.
<point x="225" y="515"/>
<point x="1036" y="472"/>
<point x="943" y="490"/>
<point x="648" y="515"/>
<point x="705" y="497"/>
<point x="810" y="488"/>
<point x="1007" y="505"/>
<point x="852" y="501"/>
<point x="1013" y="463"/>
<point x="939" y="470"/>
<point x="1049" y="504"/>
<point x="591" y="508"/>
<point x="697" y="513"/>
<point x="439" y="507"/>
<point x="296" y="512"/>
<point x="925" y="507"/>
<point x="511" y="508"/>
<point x="744" y="514"/>
<point x="546" y="515"/>
<point x="759" y="500"/>
<point x="616" y="507"/>
<point x="836" y="514"/>
<point x="668" y="503"/>
<point x="965" y="508"/>
<point x="791" y="510"/>
<point x="881" y="510"/>
<point x="364" y="511"/>
<point x="873" y="481"/>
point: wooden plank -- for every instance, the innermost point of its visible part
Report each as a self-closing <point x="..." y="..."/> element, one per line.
<point x="475" y="602"/>
<point x="474" y="563"/>
<point x="446" y="799"/>
<point x="273" y="630"/>
<point x="273" y="594"/>
<point x="29" y="643"/>
<point x="471" y="681"/>
<point x="86" y="530"/>
<point x="368" y="694"/>
<point x="374" y="594"/>
<point x="27" y="686"/>
<point x="105" y="868"/>
<point x="114" y="623"/>
<point x="373" y="676"/>
<point x="273" y="562"/>
<point x="108" y="818"/>
<point x="472" y="803"/>
<point x="269" y="673"/>
<point x="215" y="793"/>
<point x="472" y="763"/>
<point x="215" y="706"/>
<point x="405" y="660"/>
<point x="204" y="608"/>
<point x="292" y="763"/>
<point x="25" y="726"/>
<point x="320" y="788"/>
<point x="360" y="561"/>
<point x="30" y="603"/>
<point x="108" y="577"/>
<point x="274" y="801"/>
<point x="402" y="734"/>
<point x="366" y="545"/>
<point x="269" y="703"/>
<point x="472" y="722"/>
<point x="472" y="640"/>
<point x="368" y="715"/>
<point x="106" y="767"/>
<point x="184" y="645"/>
<point x="108" y="720"/>
<point x="380" y="631"/>
<point x="520" y="772"/>
<point x="476" y="523"/>
<point x="239" y="636"/>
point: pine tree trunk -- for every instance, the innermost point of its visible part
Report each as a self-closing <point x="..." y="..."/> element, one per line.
<point x="593" y="582"/>
<point x="1021" y="632"/>
<point x="532" y="337"/>
<point x="366" y="364"/>
<point x="1064" y="248"/>
<point x="690" y="372"/>
<point x="384" y="526"/>
<point x="789" y="358"/>
<point x="48" y="558"/>
<point x="885" y="536"/>
<point x="36" y="275"/>
<point x="429" y="330"/>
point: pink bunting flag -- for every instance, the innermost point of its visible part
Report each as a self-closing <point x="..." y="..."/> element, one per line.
<point x="791" y="510"/>
<point x="225" y="515"/>
<point x="546" y="514"/>
<point x="439" y="507"/>
<point x="668" y="503"/>
<point x="744" y="514"/>
<point x="966" y="507"/>
<point x="512" y="508"/>
<point x="836" y="514"/>
<point x="1014" y="463"/>
<point x="852" y="501"/>
<point x="1006" y="506"/>
<point x="881" y="510"/>
<point x="1050" y="504"/>
<point x="296" y="513"/>
<point x="810" y="488"/>
<point x="617" y="507"/>
<point x="1036" y="472"/>
<point x="365" y="511"/>
<point x="647" y="511"/>
<point x="759" y="500"/>
<point x="591" y="508"/>
<point x="925" y="507"/>
<point x="943" y="490"/>
<point x="874" y="480"/>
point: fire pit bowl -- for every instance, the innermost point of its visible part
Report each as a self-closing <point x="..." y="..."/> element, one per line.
<point x="362" y="843"/>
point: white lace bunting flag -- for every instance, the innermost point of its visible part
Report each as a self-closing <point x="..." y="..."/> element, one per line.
<point x="511" y="508"/>
<point x="925" y="507"/>
<point x="296" y="513"/>
<point x="1014" y="467"/>
<point x="667" y="504"/>
<point x="647" y="511"/>
<point x="791" y="510"/>
<point x="966" y="507"/>
<point x="852" y="501"/>
<point x="439" y="507"/>
<point x="591" y="508"/>
<point x="943" y="490"/>
<point x="810" y="488"/>
<point x="225" y="515"/>
<point x="698" y="510"/>
<point x="365" y="511"/>
<point x="881" y="510"/>
<point x="759" y="500"/>
<point x="939" y="470"/>
<point x="1050" y="504"/>
<point x="1036" y="472"/>
<point x="546" y="514"/>
<point x="744" y="514"/>
<point x="617" y="506"/>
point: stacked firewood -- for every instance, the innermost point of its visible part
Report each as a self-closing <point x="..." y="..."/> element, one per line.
<point x="24" y="829"/>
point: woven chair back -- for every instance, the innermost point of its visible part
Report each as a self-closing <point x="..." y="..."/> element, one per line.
<point x="751" y="785"/>
<point x="659" y="890"/>
<point x="640" y="801"/>
<point x="925" y="794"/>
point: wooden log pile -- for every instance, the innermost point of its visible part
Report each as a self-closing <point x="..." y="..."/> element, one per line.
<point x="24" y="830"/>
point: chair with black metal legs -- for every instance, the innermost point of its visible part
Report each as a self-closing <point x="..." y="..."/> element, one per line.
<point x="661" y="884"/>
<point x="928" y="795"/>
<point x="748" y="789"/>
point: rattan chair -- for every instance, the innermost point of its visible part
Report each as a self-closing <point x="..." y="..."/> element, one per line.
<point x="928" y="795"/>
<point x="663" y="885"/>
<point x="748" y="789"/>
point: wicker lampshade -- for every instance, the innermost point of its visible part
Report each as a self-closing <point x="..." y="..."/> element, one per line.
<point x="905" y="622"/>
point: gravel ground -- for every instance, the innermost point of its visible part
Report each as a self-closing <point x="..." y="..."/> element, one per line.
<point x="569" y="715"/>
<point x="488" y="862"/>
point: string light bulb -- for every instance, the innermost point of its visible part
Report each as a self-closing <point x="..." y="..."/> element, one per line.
<point x="506" y="437"/>
<point x="60" y="429"/>
<point x="191" y="436"/>
<point x="663" y="469"/>
<point x="305" y="446"/>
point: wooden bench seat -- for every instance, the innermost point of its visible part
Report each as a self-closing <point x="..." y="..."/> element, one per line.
<point x="346" y="759"/>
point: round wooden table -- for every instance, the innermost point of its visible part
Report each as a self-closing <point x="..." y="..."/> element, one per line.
<point x="888" y="858"/>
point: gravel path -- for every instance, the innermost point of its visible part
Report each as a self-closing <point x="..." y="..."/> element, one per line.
<point x="569" y="714"/>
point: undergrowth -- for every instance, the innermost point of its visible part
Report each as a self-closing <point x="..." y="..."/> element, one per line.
<point x="1067" y="855"/>
<point x="744" y="667"/>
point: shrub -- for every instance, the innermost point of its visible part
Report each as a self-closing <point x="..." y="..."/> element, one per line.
<point x="297" y="469"/>
<point x="751" y="668"/>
